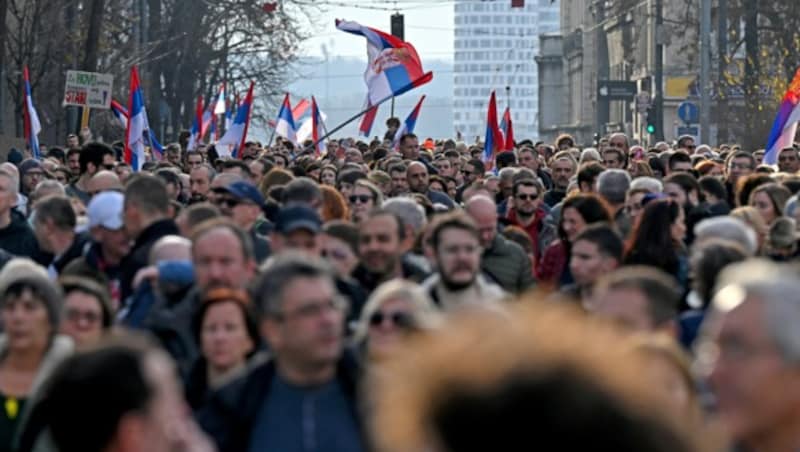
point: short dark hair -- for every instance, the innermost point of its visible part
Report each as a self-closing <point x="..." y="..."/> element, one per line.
<point x="57" y="153"/>
<point x="91" y="287"/>
<point x="589" y="172"/>
<point x="199" y="213"/>
<point x="267" y="290"/>
<point x="453" y="220"/>
<point x="302" y="190"/>
<point x="245" y="241"/>
<point x="659" y="289"/>
<point x="478" y="164"/>
<point x="528" y="183"/>
<point x="93" y="152"/>
<point x="230" y="164"/>
<point x="678" y="157"/>
<point x="169" y="177"/>
<point x="398" y="168"/>
<point x="405" y="137"/>
<point x="401" y="226"/>
<point x="148" y="193"/>
<point x="57" y="209"/>
<point x="607" y="240"/>
<point x="714" y="186"/>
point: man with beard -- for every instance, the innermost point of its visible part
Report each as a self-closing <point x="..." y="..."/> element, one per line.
<point x="380" y="249"/>
<point x="200" y="182"/>
<point x="563" y="167"/>
<point x="456" y="248"/>
<point x="527" y="211"/>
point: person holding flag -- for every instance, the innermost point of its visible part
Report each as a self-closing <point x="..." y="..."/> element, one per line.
<point x="31" y="118"/>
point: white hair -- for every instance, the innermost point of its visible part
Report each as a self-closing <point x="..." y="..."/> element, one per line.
<point x="408" y="210"/>
<point x="727" y="228"/>
<point x="650" y="184"/>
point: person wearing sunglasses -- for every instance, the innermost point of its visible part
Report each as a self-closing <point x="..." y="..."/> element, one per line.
<point x="242" y="202"/>
<point x="526" y="209"/>
<point x="395" y="309"/>
<point x="364" y="197"/>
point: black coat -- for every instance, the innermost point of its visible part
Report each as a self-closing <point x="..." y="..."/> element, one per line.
<point x="17" y="238"/>
<point x="139" y="255"/>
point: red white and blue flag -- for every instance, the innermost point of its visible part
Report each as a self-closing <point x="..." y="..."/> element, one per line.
<point x="317" y="129"/>
<point x="494" y="137"/>
<point x="408" y="125"/>
<point x="785" y="126"/>
<point x="508" y="130"/>
<point x="220" y="105"/>
<point x="120" y="112"/>
<point x="284" y="125"/>
<point x="30" y="118"/>
<point x="367" y="120"/>
<point x="393" y="65"/>
<point x="236" y="134"/>
<point x="196" y="133"/>
<point x="138" y="133"/>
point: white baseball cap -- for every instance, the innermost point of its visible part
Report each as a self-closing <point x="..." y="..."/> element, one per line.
<point x="105" y="209"/>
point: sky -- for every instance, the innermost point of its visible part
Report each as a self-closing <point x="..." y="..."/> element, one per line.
<point x="428" y="25"/>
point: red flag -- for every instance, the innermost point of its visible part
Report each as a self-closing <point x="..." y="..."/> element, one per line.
<point x="249" y="101"/>
<point x="367" y="120"/>
<point x="494" y="137"/>
<point x="508" y="130"/>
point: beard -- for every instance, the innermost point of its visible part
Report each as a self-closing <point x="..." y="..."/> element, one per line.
<point x="455" y="286"/>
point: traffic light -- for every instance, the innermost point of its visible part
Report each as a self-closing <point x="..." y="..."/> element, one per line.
<point x="398" y="26"/>
<point x="650" y="120"/>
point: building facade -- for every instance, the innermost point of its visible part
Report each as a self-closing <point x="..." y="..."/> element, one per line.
<point x="495" y="46"/>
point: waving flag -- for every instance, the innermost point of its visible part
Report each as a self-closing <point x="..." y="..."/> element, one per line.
<point x="494" y="137"/>
<point x="196" y="134"/>
<point x="393" y="65"/>
<point x="317" y="129"/>
<point x="367" y="120"/>
<point x="408" y="125"/>
<point x="219" y="105"/>
<point x="284" y="125"/>
<point x="30" y="117"/>
<point x="508" y="130"/>
<point x="785" y="126"/>
<point x="236" y="134"/>
<point x="120" y="112"/>
<point x="305" y="130"/>
<point x="138" y="133"/>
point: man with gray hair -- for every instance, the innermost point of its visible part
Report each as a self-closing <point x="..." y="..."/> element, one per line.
<point x="750" y="353"/>
<point x="613" y="184"/>
<point x="414" y="222"/>
<point x="727" y="228"/>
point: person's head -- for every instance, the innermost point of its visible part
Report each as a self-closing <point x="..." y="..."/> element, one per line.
<point x="173" y="153"/>
<point x="195" y="214"/>
<point x="222" y="255"/>
<point x="596" y="251"/>
<point x="9" y="189"/>
<point x="172" y="182"/>
<point x="200" y="178"/>
<point x="380" y="242"/>
<point x="707" y="261"/>
<point x="613" y="185"/>
<point x="770" y="200"/>
<point x="393" y="310"/>
<point x="412" y="215"/>
<point x="146" y="201"/>
<point x="618" y="141"/>
<point x="398" y="172"/>
<point x="73" y="161"/>
<point x="303" y="190"/>
<point x="679" y="162"/>
<point x="483" y="211"/>
<point x="327" y="175"/>
<point x="54" y="219"/>
<point x="409" y="146"/>
<point x="639" y="298"/>
<point x="587" y="176"/>
<point x="614" y="158"/>
<point x="750" y="352"/>
<point x="564" y="141"/>
<point x="473" y="170"/>
<point x="712" y="189"/>
<point x="103" y="180"/>
<point x="120" y="395"/>
<point x="193" y="160"/>
<point x="660" y="229"/>
<point x="225" y="328"/>
<point x="340" y="246"/>
<point x="455" y="242"/>
<point x="106" y="225"/>
<point x="443" y="166"/>
<point x="683" y="188"/>
<point x="753" y="219"/>
<point x="686" y="142"/>
<point x="95" y="156"/>
<point x="788" y="160"/>
<point x="739" y="164"/>
<point x="301" y="317"/>
<point x="237" y="167"/>
<point x="31" y="172"/>
<point x="30" y="305"/>
<point x="347" y="179"/>
<point x="241" y="202"/>
<point x="86" y="312"/>
<point x="417" y="176"/>
<point x="563" y="167"/>
<point x="364" y="197"/>
<point x="334" y="206"/>
<point x="579" y="211"/>
<point x="528" y="158"/>
<point x="527" y="196"/>
<point x="297" y="229"/>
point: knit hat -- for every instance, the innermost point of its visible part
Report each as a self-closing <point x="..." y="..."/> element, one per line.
<point x="783" y="233"/>
<point x="27" y="272"/>
<point x="28" y="165"/>
<point x="14" y="156"/>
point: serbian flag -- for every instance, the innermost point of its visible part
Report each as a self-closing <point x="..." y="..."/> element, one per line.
<point x="138" y="133"/>
<point x="317" y="129"/>
<point x="284" y="125"/>
<point x="305" y="129"/>
<point x="236" y="134"/>
<point x="120" y="112"/>
<point x="229" y="114"/>
<point x="494" y="137"/>
<point x="408" y="125"/>
<point x="196" y="134"/>
<point x="393" y="65"/>
<point x="219" y="105"/>
<point x="299" y="113"/>
<point x="508" y="130"/>
<point x="785" y="126"/>
<point x="367" y="120"/>
<point x="30" y="117"/>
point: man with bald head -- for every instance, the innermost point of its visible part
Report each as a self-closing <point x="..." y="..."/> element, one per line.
<point x="104" y="180"/>
<point x="21" y="203"/>
<point x="418" y="182"/>
<point x="503" y="260"/>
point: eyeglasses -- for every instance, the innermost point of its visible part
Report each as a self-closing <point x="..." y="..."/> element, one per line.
<point x="35" y="174"/>
<point x="363" y="199"/>
<point x="76" y="315"/>
<point x="314" y="310"/>
<point x="401" y="320"/>
<point x="738" y="166"/>
<point x="228" y="202"/>
<point x="466" y="172"/>
<point x="526" y="196"/>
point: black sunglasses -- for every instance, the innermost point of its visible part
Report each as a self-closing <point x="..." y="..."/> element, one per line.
<point x="398" y="319"/>
<point x="363" y="199"/>
<point x="525" y="196"/>
<point x="229" y="202"/>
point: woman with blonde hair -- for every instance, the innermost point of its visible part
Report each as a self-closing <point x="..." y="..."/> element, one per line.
<point x="753" y="218"/>
<point x="365" y="197"/>
<point x="770" y="200"/>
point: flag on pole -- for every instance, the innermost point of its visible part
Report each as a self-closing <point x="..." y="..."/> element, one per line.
<point x="785" y="126"/>
<point x="508" y="130"/>
<point x="408" y="125"/>
<point x="393" y="65"/>
<point x="196" y="133"/>
<point x="299" y="112"/>
<point x="317" y="129"/>
<point x="219" y="105"/>
<point x="120" y="112"/>
<point x="138" y="133"/>
<point x="30" y="117"/>
<point x="305" y="128"/>
<point x="284" y="125"/>
<point x="367" y="120"/>
<point x="494" y="137"/>
<point x="236" y="134"/>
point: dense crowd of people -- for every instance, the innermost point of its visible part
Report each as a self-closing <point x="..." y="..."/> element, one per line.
<point x="612" y="297"/>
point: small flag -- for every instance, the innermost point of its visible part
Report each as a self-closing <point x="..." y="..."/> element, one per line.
<point x="367" y="120"/>
<point x="120" y="112"/>
<point x="30" y="117"/>
<point x="236" y="134"/>
<point x="408" y="125"/>
<point x="317" y="129"/>
<point x="195" y="135"/>
<point x="494" y="137"/>
<point x="220" y="105"/>
<point x="785" y="126"/>
<point x="508" y="130"/>
<point x="284" y="125"/>
<point x="138" y="133"/>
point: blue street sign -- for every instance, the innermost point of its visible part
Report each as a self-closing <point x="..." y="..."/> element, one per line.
<point x="688" y="112"/>
<point x="693" y="131"/>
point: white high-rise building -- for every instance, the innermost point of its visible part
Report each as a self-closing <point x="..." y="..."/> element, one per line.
<point x="495" y="46"/>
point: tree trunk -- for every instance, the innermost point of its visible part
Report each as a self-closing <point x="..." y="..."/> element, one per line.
<point x="752" y="69"/>
<point x="93" y="35"/>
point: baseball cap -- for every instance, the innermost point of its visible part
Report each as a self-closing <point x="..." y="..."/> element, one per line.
<point x="245" y="190"/>
<point x="105" y="209"/>
<point x="296" y="217"/>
